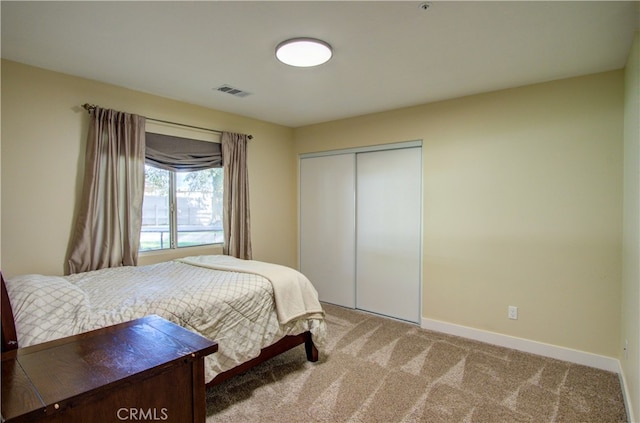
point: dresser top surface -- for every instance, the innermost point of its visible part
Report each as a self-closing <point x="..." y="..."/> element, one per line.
<point x="39" y="376"/>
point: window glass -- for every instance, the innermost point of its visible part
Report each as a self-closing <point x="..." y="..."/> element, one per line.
<point x="196" y="198"/>
<point x="199" y="211"/>
<point x="156" y="219"/>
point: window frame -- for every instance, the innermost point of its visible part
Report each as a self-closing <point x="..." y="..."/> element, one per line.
<point x="173" y="216"/>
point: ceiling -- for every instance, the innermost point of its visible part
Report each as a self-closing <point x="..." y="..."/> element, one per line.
<point x="387" y="55"/>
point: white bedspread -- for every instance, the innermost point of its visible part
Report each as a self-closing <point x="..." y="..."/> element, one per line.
<point x="234" y="308"/>
<point x="294" y="294"/>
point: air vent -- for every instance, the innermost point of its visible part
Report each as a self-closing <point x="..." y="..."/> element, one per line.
<point x="233" y="91"/>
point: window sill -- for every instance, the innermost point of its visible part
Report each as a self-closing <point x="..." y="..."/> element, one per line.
<point x="158" y="256"/>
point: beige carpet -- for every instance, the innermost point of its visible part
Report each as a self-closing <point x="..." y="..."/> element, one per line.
<point x="375" y="369"/>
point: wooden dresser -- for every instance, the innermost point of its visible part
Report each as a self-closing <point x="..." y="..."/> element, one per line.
<point x="148" y="369"/>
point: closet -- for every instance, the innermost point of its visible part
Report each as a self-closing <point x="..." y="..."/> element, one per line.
<point x="360" y="227"/>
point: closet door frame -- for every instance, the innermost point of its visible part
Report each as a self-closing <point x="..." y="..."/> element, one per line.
<point x="354" y="151"/>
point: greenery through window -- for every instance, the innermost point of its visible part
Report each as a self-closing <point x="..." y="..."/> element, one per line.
<point x="181" y="209"/>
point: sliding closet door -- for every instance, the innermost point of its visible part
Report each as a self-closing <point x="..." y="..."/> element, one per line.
<point x="327" y="226"/>
<point x="388" y="241"/>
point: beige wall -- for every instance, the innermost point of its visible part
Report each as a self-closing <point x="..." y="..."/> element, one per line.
<point x="631" y="230"/>
<point x="43" y="133"/>
<point x="522" y="188"/>
<point x="522" y="206"/>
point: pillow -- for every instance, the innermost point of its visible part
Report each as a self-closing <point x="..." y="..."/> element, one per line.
<point x="47" y="308"/>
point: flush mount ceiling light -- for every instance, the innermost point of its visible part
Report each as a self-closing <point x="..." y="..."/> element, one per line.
<point x="303" y="52"/>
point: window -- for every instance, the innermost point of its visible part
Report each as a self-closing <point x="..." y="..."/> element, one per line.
<point x="182" y="204"/>
<point x="181" y="209"/>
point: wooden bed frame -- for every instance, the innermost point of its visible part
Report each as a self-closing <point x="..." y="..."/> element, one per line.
<point x="10" y="342"/>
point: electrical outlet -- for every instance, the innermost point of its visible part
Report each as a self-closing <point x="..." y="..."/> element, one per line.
<point x="513" y="313"/>
<point x="626" y="349"/>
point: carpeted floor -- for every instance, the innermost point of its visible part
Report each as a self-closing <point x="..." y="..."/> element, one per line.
<point x="375" y="369"/>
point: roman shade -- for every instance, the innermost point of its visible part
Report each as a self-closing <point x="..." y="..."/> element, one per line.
<point x="181" y="154"/>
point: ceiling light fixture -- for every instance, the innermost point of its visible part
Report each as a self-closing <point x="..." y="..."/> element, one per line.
<point x="303" y="52"/>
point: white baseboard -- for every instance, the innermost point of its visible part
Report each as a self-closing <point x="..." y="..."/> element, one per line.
<point x="561" y="353"/>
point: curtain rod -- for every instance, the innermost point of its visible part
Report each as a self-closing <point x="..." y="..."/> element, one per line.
<point x="89" y="107"/>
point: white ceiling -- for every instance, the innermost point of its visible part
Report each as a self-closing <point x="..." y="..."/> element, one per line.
<point x="386" y="54"/>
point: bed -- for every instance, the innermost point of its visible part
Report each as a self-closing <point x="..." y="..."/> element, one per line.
<point x="254" y="310"/>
